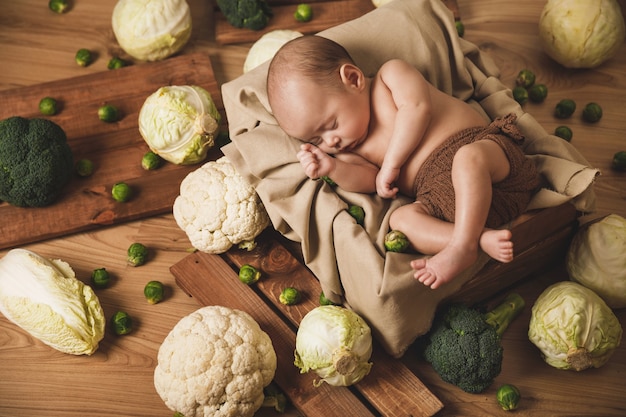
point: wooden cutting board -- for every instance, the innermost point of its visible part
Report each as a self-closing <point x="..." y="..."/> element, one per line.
<point x="326" y="14"/>
<point x="115" y="148"/>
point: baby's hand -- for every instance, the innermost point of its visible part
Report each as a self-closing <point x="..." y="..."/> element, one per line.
<point x="315" y="162"/>
<point x="385" y="182"/>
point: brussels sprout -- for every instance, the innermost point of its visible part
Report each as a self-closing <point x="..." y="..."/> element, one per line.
<point x="83" y="57"/>
<point x="151" y="161"/>
<point x="154" y="291"/>
<point x="275" y="398"/>
<point x="108" y="113"/>
<point x="508" y="397"/>
<point x="136" y="254"/>
<point x="289" y="296"/>
<point x="525" y="78"/>
<point x="460" y="28"/>
<point x="48" y="106"/>
<point x="100" y="278"/>
<point x="396" y="241"/>
<point x="538" y="93"/>
<point x="304" y="12"/>
<point x="248" y="245"/>
<point x="58" y="6"/>
<point x="619" y="161"/>
<point x="358" y="213"/>
<point x="325" y="301"/>
<point x="249" y="274"/>
<point x="592" y="112"/>
<point x="121" y="192"/>
<point x="565" y="108"/>
<point x="116" y="62"/>
<point x="84" y="167"/>
<point x="328" y="181"/>
<point x="520" y="94"/>
<point x="121" y="323"/>
<point x="563" y="132"/>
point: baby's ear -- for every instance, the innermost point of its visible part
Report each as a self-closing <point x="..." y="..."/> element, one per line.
<point x="352" y="76"/>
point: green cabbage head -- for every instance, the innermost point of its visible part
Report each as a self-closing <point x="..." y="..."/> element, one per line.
<point x="335" y="343"/>
<point x="581" y="33"/>
<point x="597" y="259"/>
<point x="44" y="298"/>
<point x="179" y="123"/>
<point x="573" y="327"/>
<point x="151" y="30"/>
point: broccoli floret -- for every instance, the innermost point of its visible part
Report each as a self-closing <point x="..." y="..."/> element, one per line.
<point x="251" y="14"/>
<point x="464" y="346"/>
<point x="35" y="161"/>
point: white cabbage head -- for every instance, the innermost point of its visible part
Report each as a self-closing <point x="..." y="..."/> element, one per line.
<point x="151" y="30"/>
<point x="581" y="33"/>
<point x="179" y="123"/>
<point x="596" y="258"/>
<point x="266" y="47"/>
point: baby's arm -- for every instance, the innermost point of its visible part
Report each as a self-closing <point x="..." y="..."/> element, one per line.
<point x="349" y="171"/>
<point x="411" y="95"/>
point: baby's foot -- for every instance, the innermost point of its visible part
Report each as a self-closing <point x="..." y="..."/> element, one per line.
<point x="498" y="244"/>
<point x="442" y="267"/>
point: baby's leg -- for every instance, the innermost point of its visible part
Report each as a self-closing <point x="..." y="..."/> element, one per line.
<point x="429" y="235"/>
<point x="474" y="169"/>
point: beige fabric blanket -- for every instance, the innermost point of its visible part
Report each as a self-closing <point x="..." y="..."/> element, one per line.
<point x="349" y="260"/>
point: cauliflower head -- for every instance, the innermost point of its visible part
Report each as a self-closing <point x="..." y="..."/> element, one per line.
<point x="217" y="208"/>
<point x="215" y="363"/>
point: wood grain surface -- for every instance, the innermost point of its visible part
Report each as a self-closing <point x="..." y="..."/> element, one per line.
<point x="115" y="148"/>
<point x="280" y="269"/>
<point x="37" y="46"/>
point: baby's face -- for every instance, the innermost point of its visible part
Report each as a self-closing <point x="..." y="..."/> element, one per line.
<point x="335" y="121"/>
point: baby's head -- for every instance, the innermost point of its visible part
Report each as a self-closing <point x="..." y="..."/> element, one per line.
<point x="304" y="60"/>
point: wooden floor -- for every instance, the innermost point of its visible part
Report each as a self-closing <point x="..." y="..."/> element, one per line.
<point x="37" y="46"/>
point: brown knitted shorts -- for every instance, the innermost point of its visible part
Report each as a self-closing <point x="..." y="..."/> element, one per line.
<point x="433" y="185"/>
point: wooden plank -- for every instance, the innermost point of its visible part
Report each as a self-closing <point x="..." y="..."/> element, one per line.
<point x="326" y="14"/>
<point x="390" y="387"/>
<point x="115" y="148"/>
<point x="211" y="281"/>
